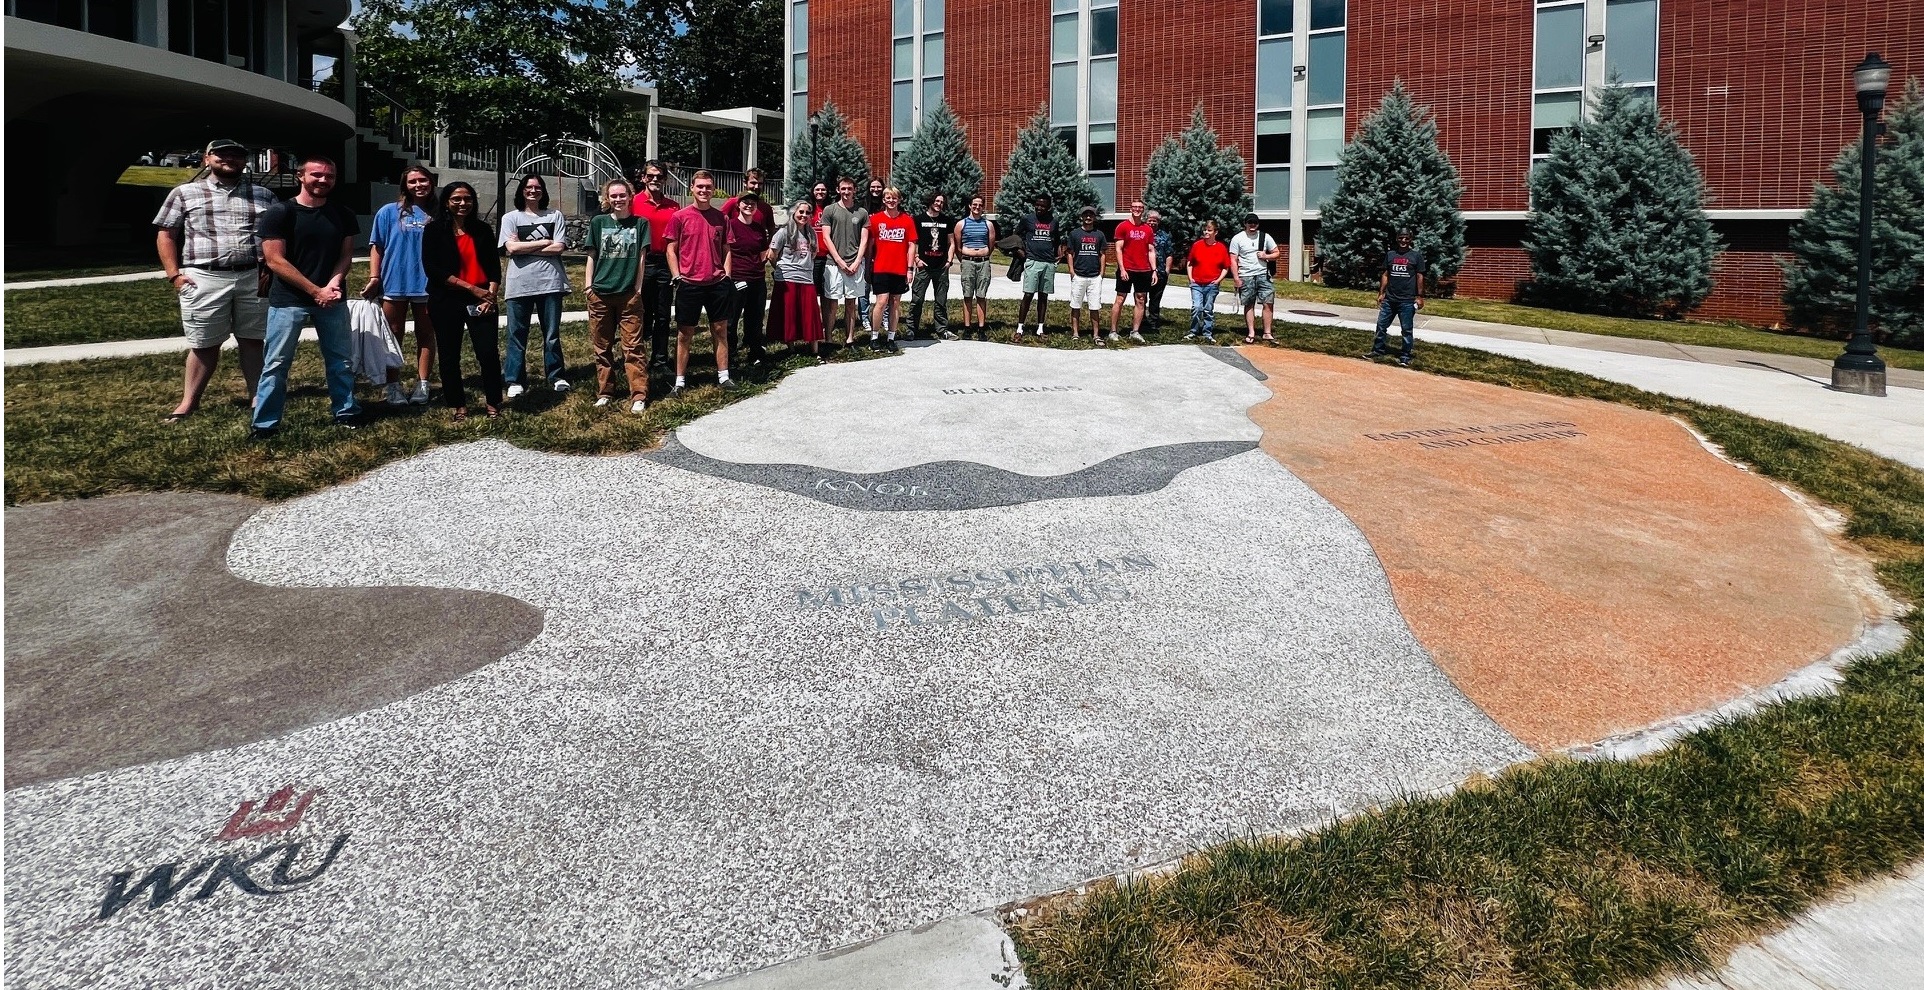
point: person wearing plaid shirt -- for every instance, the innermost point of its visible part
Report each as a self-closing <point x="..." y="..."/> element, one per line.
<point x="211" y="251"/>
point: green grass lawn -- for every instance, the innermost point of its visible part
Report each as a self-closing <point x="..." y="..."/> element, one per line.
<point x="156" y="176"/>
<point x="1555" y="874"/>
<point x="86" y="314"/>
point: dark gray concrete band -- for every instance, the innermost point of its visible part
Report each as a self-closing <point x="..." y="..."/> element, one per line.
<point x="949" y="485"/>
<point x="1229" y="356"/>
<point x="128" y="640"/>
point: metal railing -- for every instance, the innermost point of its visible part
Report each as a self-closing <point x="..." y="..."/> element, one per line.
<point x="675" y="183"/>
<point x="409" y="130"/>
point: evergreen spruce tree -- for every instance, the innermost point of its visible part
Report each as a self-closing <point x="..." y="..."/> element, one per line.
<point x="937" y="160"/>
<point x="1040" y="163"/>
<point x="1391" y="175"/>
<point x="1618" y="225"/>
<point x="1192" y="178"/>
<point x="1820" y="284"/>
<point x="839" y="154"/>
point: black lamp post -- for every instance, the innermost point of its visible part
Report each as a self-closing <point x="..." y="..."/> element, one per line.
<point x="1859" y="370"/>
<point x="814" y="156"/>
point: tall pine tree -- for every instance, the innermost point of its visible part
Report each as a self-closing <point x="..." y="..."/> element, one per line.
<point x="1192" y="178"/>
<point x="837" y="154"/>
<point x="1392" y="175"/>
<point x="937" y="160"/>
<point x="1618" y="225"/>
<point x="1820" y="284"/>
<point x="1041" y="163"/>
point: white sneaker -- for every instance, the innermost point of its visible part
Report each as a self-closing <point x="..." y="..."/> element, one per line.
<point x="639" y="407"/>
<point x="603" y="401"/>
<point x="515" y="390"/>
<point x="1115" y="338"/>
<point x="561" y="385"/>
<point x="395" y="395"/>
<point x="419" y="396"/>
<point x="1137" y="338"/>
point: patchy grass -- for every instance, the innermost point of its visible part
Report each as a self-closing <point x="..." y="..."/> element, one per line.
<point x="156" y="176"/>
<point x="1558" y="873"/>
<point x="87" y="314"/>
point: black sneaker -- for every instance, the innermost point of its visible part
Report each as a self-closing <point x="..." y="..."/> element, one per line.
<point x="258" y="435"/>
<point x="889" y="346"/>
<point x="1404" y="361"/>
<point x="731" y="385"/>
<point x="1377" y="352"/>
<point x="677" y="391"/>
<point x="875" y="345"/>
<point x="347" y="423"/>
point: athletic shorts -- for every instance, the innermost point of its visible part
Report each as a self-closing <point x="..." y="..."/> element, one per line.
<point x="1257" y="290"/>
<point x="1039" y="277"/>
<point x="889" y="283"/>
<point x="690" y="300"/>
<point x="1085" y="290"/>
<point x="222" y="304"/>
<point x="976" y="273"/>
<point x="842" y="285"/>
<point x="1138" y="281"/>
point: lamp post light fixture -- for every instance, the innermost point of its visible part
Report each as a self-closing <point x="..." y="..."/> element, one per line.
<point x="1859" y="370"/>
<point x="814" y="156"/>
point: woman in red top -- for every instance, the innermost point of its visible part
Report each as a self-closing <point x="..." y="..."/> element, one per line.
<point x="1208" y="263"/>
<point x="458" y="254"/>
<point x="892" y="241"/>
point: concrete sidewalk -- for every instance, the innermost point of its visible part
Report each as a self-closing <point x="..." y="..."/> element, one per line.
<point x="61" y="283"/>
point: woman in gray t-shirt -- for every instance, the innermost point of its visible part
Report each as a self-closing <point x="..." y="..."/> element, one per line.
<point x="535" y="236"/>
<point x="794" y="312"/>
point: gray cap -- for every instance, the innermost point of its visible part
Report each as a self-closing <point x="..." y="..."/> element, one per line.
<point x="224" y="144"/>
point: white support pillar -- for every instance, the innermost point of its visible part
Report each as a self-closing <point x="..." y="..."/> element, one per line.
<point x="1298" y="141"/>
<point x="654" y="129"/>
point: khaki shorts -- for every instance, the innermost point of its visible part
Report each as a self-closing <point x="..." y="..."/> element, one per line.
<point x="976" y="273"/>
<point x="1085" y="290"/>
<point x="222" y="304"/>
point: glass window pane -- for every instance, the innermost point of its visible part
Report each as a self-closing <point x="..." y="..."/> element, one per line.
<point x="934" y="15"/>
<point x="801" y="27"/>
<point x="1326" y="68"/>
<point x="1062" y="94"/>
<point x="1065" y="6"/>
<point x="1067" y="135"/>
<point x="1102" y="89"/>
<point x="1063" y="41"/>
<point x="1273" y="78"/>
<point x="1276" y="16"/>
<point x="902" y="16"/>
<point x="1325" y="135"/>
<point x="1560" y="47"/>
<point x="1105" y="191"/>
<point x="798" y="114"/>
<point x="1272" y="189"/>
<point x="801" y="72"/>
<point x="1272" y="144"/>
<point x="1318" y="185"/>
<point x="903" y="117"/>
<point x="1102" y="157"/>
<point x="1326" y="14"/>
<point x="1102" y="134"/>
<point x="904" y="58"/>
<point x="1558" y="109"/>
<point x="932" y="54"/>
<point x="1630" y="40"/>
<point x="1102" y="32"/>
<point x="931" y="95"/>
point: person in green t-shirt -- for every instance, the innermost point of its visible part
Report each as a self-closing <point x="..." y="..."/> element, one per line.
<point x="616" y="245"/>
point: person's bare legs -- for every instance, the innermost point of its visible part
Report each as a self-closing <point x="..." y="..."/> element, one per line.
<point x="684" y="338"/>
<point x="1022" y="318"/>
<point x="253" y="353"/>
<point x="1141" y="303"/>
<point x="1115" y="314"/>
<point x="202" y="362"/>
<point x="719" y="331"/>
<point x="424" y="340"/>
<point x="395" y="311"/>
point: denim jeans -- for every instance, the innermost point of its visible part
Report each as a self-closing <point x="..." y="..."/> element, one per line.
<point x="1392" y="309"/>
<point x="547" y="306"/>
<point x="283" y="335"/>
<point x="1202" y="308"/>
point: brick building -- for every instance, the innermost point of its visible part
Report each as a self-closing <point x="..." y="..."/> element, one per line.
<point x="1760" y="93"/>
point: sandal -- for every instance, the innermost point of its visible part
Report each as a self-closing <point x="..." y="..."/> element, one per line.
<point x="175" y="417"/>
<point x="460" y="415"/>
<point x="494" y="412"/>
<point x="1249" y="340"/>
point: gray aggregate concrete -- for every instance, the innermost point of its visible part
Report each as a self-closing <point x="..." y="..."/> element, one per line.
<point x="758" y="726"/>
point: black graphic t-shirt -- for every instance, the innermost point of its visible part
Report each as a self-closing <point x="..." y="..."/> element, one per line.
<point x="1086" y="248"/>
<point x="933" y="244"/>
<point x="1039" y="237"/>
<point x="1404" y="267"/>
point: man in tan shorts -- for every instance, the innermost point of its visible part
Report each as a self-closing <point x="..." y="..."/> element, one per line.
<point x="211" y="251"/>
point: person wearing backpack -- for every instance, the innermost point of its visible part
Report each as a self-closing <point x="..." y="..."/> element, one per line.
<point x="1253" y="251"/>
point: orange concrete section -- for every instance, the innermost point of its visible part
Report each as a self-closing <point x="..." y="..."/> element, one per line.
<point x="1578" y="568"/>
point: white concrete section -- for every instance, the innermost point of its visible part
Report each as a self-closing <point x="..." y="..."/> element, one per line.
<point x="1051" y="411"/>
<point x="155" y="345"/>
<point x="964" y="953"/>
<point x="1871" y="939"/>
<point x="58" y="283"/>
<point x="1892" y="426"/>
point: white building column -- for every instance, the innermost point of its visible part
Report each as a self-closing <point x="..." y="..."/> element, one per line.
<point x="1298" y="140"/>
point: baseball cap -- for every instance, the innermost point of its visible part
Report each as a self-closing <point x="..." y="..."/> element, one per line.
<point x="1088" y="211"/>
<point x="224" y="144"/>
<point x="1249" y="218"/>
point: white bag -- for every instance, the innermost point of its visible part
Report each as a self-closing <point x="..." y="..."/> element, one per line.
<point x="375" y="352"/>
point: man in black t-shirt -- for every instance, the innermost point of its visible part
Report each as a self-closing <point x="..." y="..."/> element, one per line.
<point x="1397" y="294"/>
<point x="307" y="243"/>
<point x="1042" y="248"/>
<point x="932" y="245"/>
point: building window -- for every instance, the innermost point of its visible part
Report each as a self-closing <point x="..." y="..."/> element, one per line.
<point x="1084" y="45"/>
<point x="935" y="57"/>
<point x="1275" y="97"/>
<point x="1273" y="149"/>
<point x="798" y="69"/>
<point x="1630" y="44"/>
<point x="902" y="74"/>
<point x="1557" y="99"/>
<point x="1328" y="75"/>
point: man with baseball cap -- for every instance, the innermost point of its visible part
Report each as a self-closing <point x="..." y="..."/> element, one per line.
<point x="210" y="249"/>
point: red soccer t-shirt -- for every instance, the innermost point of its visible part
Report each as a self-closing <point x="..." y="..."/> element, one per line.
<point x="892" y="238"/>
<point x="1136" y="240"/>
<point x="1208" y="262"/>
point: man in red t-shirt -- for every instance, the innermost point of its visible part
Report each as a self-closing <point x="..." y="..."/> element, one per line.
<point x="1208" y="263"/>
<point x="1135" y="269"/>
<point x="892" y="238"/>
<point x="657" y="292"/>
<point x="700" y="265"/>
<point x="764" y="217"/>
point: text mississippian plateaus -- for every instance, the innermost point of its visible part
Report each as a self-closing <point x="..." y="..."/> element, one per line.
<point x="939" y="598"/>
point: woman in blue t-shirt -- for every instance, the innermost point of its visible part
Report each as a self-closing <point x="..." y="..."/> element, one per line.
<point x="395" y="276"/>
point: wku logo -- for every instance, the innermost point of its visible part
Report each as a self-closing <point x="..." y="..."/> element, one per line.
<point x="281" y="868"/>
